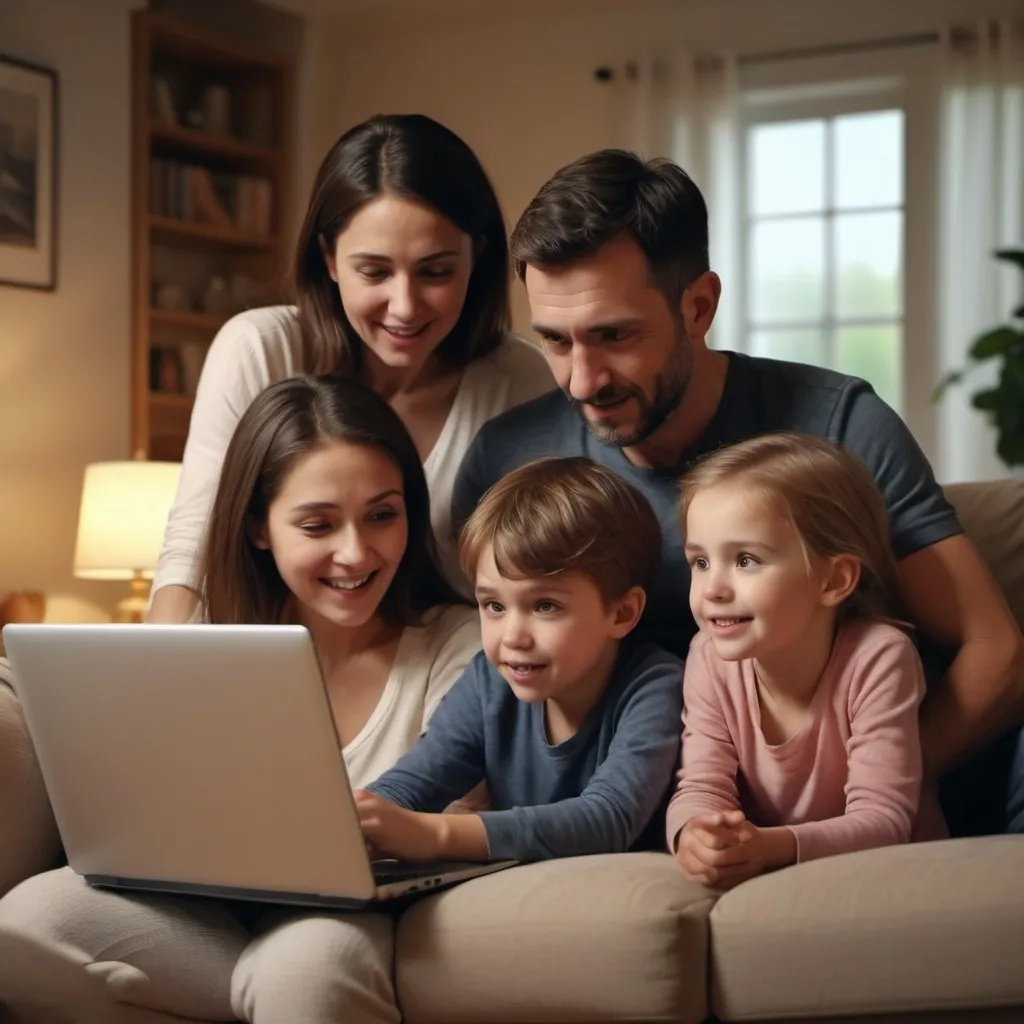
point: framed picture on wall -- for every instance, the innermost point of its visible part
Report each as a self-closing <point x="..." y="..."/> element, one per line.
<point x="28" y="175"/>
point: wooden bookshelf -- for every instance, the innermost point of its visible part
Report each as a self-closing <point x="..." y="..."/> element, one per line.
<point x="209" y="186"/>
<point x="187" y="321"/>
<point x="187" y="141"/>
<point x="184" y="233"/>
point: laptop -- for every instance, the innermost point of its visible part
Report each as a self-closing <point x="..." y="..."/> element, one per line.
<point x="202" y="760"/>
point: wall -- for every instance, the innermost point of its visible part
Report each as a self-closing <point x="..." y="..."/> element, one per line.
<point x="64" y="355"/>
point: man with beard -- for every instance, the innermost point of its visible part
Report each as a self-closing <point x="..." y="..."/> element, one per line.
<point x="614" y="255"/>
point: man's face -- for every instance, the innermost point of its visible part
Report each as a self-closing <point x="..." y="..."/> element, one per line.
<point x="619" y="352"/>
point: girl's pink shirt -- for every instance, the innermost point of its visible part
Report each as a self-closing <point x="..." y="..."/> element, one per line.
<point x="849" y="780"/>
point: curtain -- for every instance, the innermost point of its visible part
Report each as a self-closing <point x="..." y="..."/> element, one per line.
<point x="686" y="107"/>
<point x="981" y="189"/>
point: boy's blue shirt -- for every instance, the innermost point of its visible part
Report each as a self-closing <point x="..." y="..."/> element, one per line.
<point x="594" y="793"/>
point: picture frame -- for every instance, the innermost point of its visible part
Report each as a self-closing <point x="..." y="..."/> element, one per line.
<point x="28" y="174"/>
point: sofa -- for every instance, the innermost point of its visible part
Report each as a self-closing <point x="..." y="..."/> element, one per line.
<point x="930" y="932"/>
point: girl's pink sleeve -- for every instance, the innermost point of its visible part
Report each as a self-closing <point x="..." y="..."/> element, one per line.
<point x="883" y="785"/>
<point x="707" y="778"/>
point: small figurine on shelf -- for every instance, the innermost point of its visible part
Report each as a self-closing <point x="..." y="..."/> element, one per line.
<point x="217" y="300"/>
<point x="216" y="106"/>
<point x="161" y="101"/>
<point x="166" y="372"/>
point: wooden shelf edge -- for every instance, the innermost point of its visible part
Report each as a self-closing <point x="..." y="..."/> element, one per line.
<point x="192" y="321"/>
<point x="162" y="28"/>
<point x="170" y="401"/>
<point x="212" y="145"/>
<point x="185" y="230"/>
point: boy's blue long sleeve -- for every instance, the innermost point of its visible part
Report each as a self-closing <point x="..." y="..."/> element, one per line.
<point x="621" y="797"/>
<point x="594" y="793"/>
<point x="448" y="760"/>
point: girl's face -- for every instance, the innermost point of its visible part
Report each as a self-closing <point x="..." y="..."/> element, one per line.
<point x="402" y="271"/>
<point x="337" y="530"/>
<point x="751" y="587"/>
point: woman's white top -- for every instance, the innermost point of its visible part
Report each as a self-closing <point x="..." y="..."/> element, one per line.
<point x="261" y="346"/>
<point x="429" y="659"/>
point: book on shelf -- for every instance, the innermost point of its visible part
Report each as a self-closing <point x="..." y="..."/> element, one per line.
<point x="200" y="195"/>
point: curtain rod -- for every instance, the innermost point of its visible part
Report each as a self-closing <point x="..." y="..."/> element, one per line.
<point x="835" y="49"/>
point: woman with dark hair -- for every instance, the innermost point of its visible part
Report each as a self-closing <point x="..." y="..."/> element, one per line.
<point x="322" y="518"/>
<point x="401" y="275"/>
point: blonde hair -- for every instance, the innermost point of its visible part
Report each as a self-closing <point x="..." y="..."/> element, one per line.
<point x="565" y="514"/>
<point x="832" y="501"/>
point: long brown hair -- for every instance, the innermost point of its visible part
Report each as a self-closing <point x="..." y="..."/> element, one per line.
<point x="240" y="582"/>
<point x="832" y="501"/>
<point x="412" y="156"/>
<point x="562" y="515"/>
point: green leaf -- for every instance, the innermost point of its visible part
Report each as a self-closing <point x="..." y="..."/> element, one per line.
<point x="1011" y="256"/>
<point x="1019" y="311"/>
<point x="1010" y="449"/>
<point x="951" y="378"/>
<point x="987" y="401"/>
<point x="994" y="342"/>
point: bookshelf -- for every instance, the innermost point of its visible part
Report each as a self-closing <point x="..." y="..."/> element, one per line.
<point x="209" y="181"/>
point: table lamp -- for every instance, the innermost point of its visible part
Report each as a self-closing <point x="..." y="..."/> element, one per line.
<point x="121" y="526"/>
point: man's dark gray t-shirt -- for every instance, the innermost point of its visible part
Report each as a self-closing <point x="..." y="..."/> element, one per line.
<point x="760" y="396"/>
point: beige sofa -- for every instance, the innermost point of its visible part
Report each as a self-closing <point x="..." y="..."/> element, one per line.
<point x="927" y="932"/>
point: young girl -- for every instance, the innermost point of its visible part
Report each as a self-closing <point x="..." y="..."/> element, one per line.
<point x="322" y="518"/>
<point x="801" y="692"/>
<point x="401" y="278"/>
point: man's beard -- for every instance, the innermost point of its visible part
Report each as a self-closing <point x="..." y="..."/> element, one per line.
<point x="670" y="387"/>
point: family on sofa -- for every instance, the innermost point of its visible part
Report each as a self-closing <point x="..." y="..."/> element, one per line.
<point x="369" y="461"/>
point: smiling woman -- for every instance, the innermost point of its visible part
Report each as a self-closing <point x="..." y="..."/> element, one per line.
<point x="321" y="517"/>
<point x="401" y="276"/>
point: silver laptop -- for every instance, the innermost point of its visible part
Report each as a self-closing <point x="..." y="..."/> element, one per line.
<point x="201" y="759"/>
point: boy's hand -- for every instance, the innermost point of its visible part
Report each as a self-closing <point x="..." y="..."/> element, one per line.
<point x="392" y="831"/>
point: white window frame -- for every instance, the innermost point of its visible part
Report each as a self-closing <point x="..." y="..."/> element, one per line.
<point x="825" y="87"/>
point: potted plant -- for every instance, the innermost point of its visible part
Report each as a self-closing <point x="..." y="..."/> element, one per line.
<point x="1004" y="403"/>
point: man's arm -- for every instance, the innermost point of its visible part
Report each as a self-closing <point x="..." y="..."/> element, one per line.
<point x="950" y="592"/>
<point x="954" y="599"/>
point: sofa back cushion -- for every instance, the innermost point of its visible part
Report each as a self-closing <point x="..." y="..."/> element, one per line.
<point x="992" y="513"/>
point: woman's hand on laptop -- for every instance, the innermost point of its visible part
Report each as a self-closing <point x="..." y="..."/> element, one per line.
<point x="393" y="831"/>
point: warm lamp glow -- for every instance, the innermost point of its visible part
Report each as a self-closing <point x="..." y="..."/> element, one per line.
<point x="121" y="523"/>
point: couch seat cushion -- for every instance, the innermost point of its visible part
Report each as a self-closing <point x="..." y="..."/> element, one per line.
<point x="617" y="937"/>
<point x="907" y="928"/>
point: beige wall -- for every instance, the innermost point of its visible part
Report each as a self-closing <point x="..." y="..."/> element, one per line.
<point x="64" y="355"/>
<point x="517" y="81"/>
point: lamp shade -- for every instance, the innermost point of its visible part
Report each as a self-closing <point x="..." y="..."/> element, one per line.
<point x="122" y="517"/>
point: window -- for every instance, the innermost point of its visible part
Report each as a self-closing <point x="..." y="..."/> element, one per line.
<point x="823" y="237"/>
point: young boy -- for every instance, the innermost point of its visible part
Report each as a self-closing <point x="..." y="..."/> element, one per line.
<point x="573" y="726"/>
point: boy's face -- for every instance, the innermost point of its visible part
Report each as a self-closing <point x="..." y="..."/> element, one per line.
<point x="550" y="637"/>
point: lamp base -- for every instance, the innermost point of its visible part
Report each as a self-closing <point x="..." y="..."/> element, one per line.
<point x="133" y="607"/>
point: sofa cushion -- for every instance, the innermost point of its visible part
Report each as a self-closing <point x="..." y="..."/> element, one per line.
<point x="905" y="928"/>
<point x="600" y="938"/>
<point x="992" y="514"/>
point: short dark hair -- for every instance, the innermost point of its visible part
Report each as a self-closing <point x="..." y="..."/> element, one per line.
<point x="612" y="192"/>
<point x="566" y="514"/>
<point x="413" y="156"/>
<point x="239" y="582"/>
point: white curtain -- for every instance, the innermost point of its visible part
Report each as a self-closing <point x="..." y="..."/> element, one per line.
<point x="686" y="107"/>
<point x="981" y="178"/>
